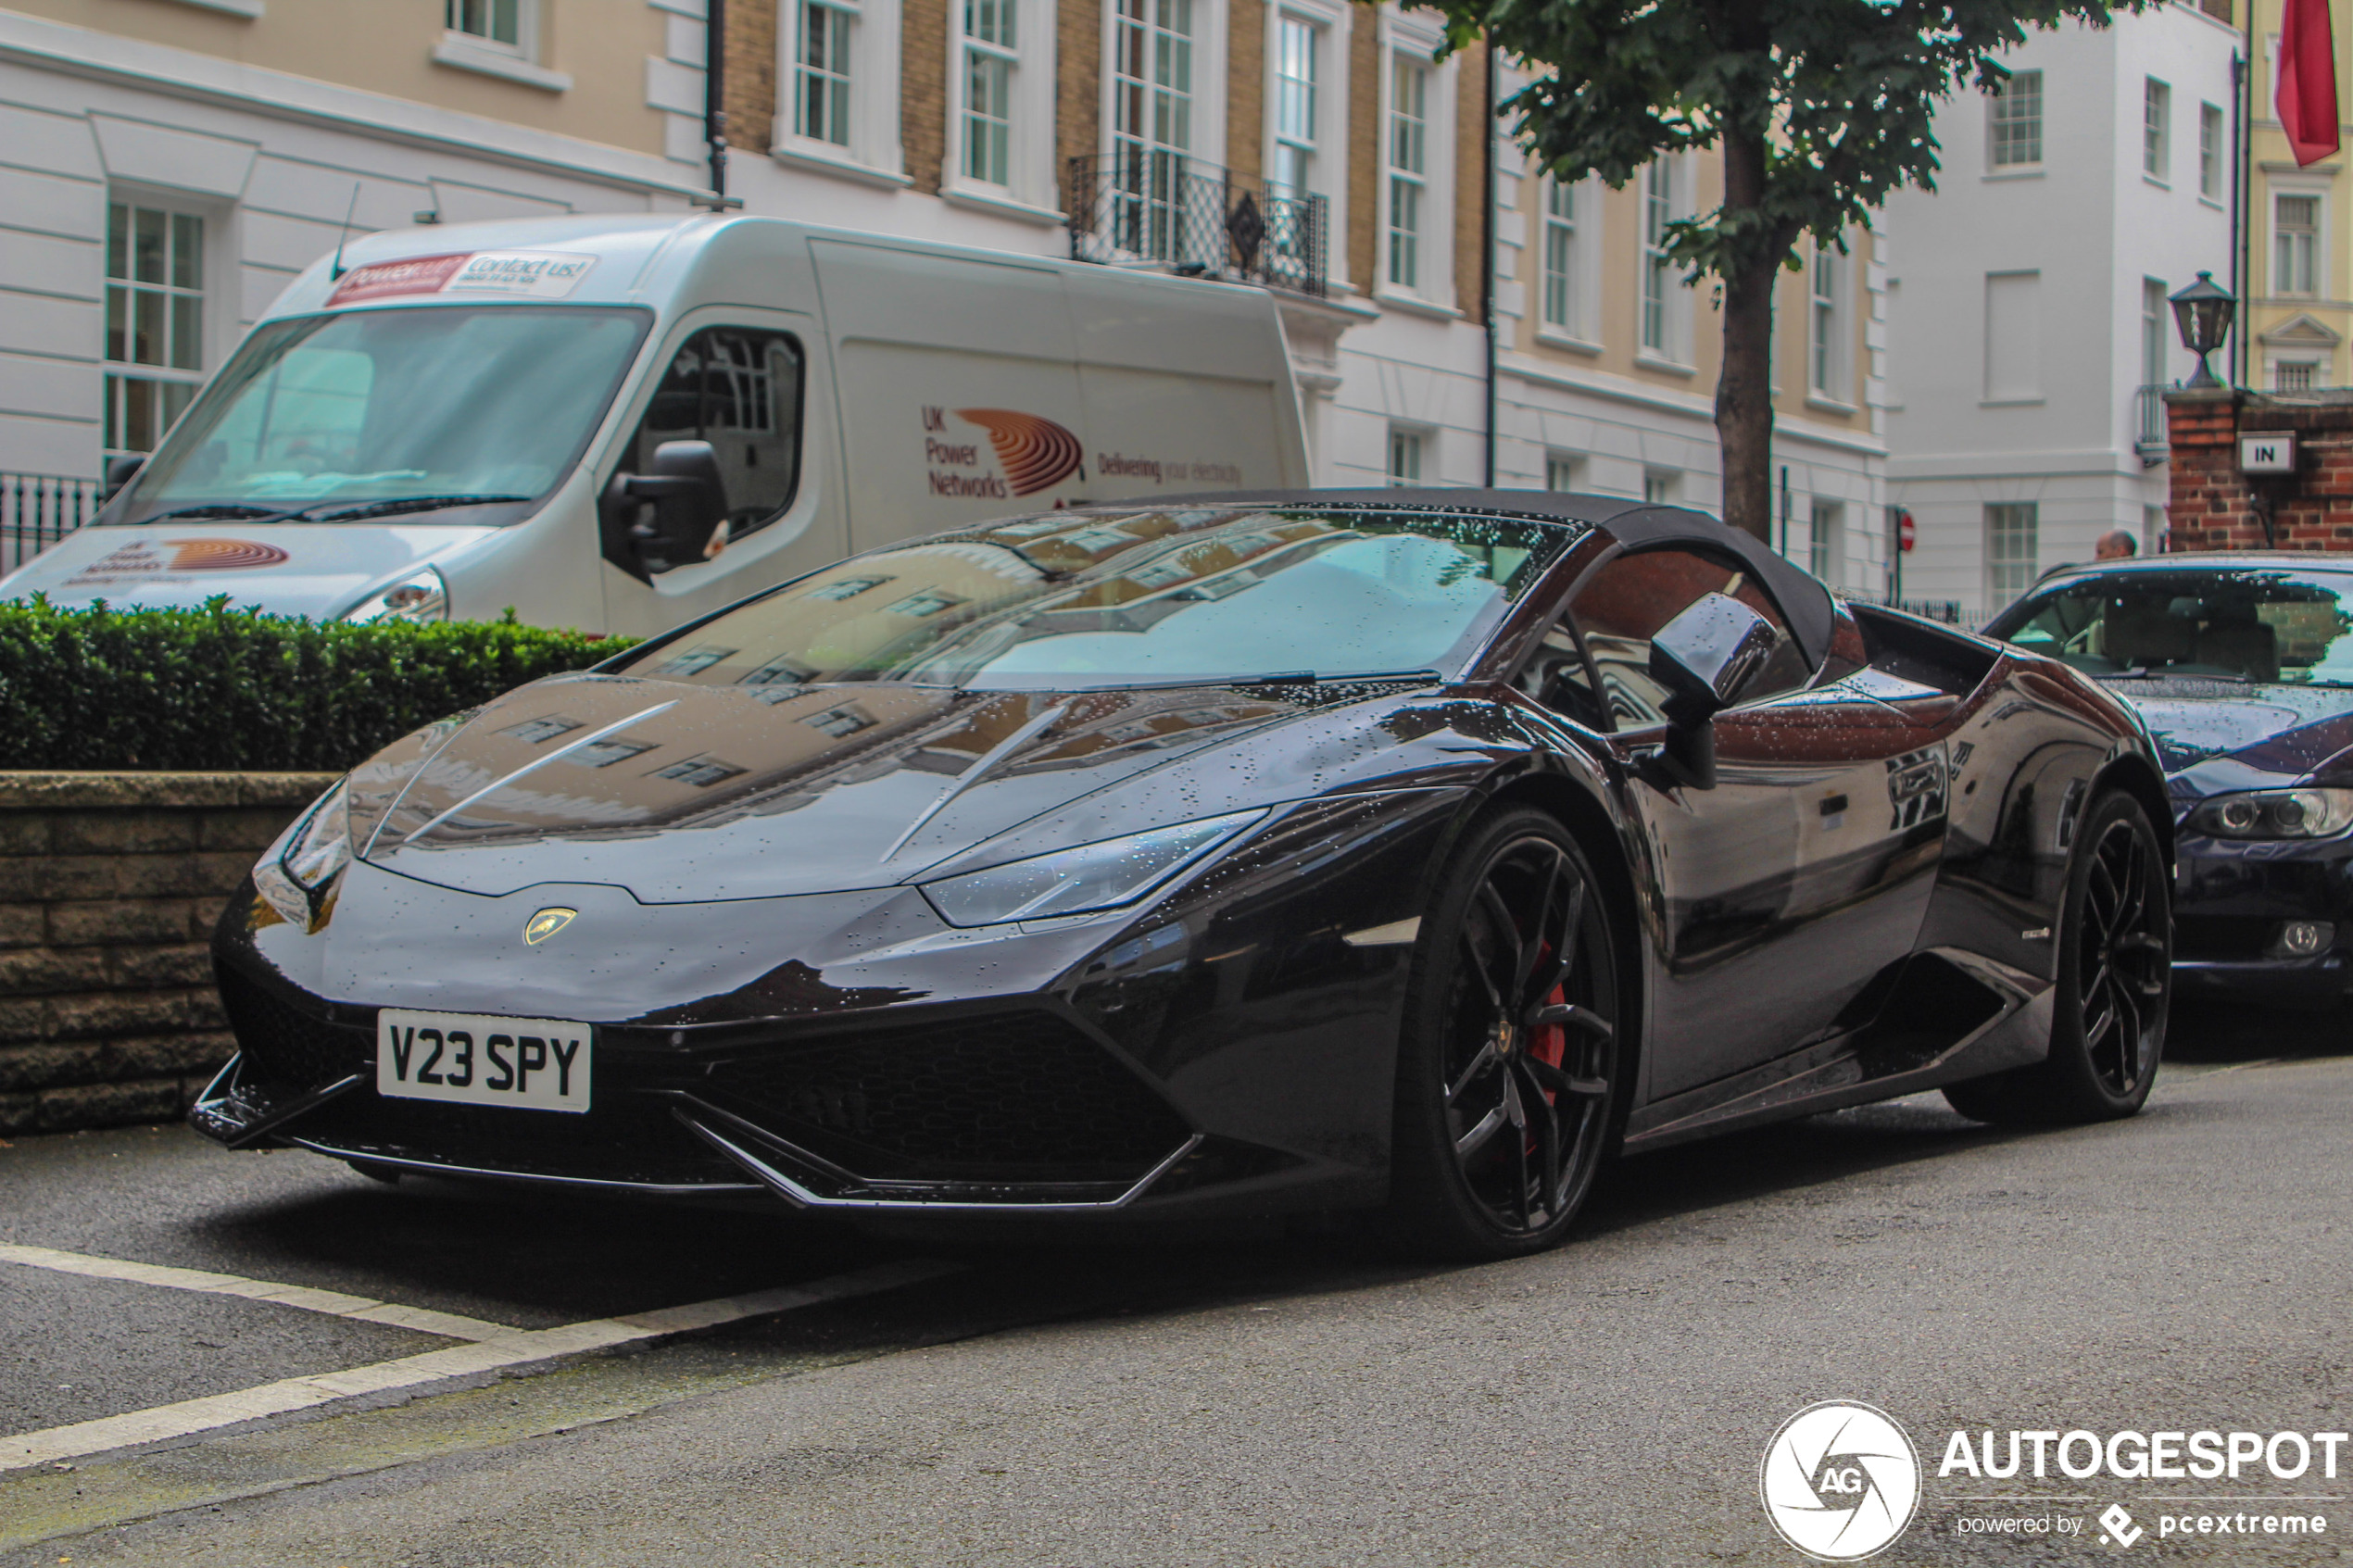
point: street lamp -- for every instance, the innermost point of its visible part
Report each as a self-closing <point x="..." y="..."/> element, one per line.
<point x="2202" y="312"/>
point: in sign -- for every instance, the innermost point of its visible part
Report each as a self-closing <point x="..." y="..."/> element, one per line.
<point x="2269" y="453"/>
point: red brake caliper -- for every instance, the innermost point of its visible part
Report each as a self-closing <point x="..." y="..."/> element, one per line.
<point x="1548" y="1043"/>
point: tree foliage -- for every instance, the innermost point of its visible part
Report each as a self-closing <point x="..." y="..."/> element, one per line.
<point x="1822" y="109"/>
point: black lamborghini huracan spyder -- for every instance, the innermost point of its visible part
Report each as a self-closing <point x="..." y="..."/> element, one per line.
<point x="1310" y="851"/>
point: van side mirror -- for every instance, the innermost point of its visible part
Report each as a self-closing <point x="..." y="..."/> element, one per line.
<point x="119" y="473"/>
<point x="664" y="519"/>
<point x="1705" y="657"/>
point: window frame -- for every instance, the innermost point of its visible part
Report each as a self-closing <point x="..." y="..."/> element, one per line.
<point x="1029" y="189"/>
<point x="525" y="46"/>
<point x="2314" y="244"/>
<point x="873" y="154"/>
<point x="1661" y="297"/>
<point x="214" y="324"/>
<point x="1570" y="466"/>
<point x="2005" y="128"/>
<point x="1333" y="22"/>
<point x="1828" y="370"/>
<point x="2029" y="567"/>
<point x="2156" y="335"/>
<point x="1411" y="442"/>
<point x="1411" y="42"/>
<point x="1580" y="236"/>
<point x="2157" y="130"/>
<point x="2210" y="138"/>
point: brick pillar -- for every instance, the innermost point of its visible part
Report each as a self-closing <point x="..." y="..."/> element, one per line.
<point x="2214" y="507"/>
<point x="2207" y="500"/>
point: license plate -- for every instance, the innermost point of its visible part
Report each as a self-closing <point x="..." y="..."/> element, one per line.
<point x="476" y="1059"/>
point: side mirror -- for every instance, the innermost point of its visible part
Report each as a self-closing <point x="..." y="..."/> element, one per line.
<point x="665" y="518"/>
<point x="119" y="473"/>
<point x="1705" y="657"/>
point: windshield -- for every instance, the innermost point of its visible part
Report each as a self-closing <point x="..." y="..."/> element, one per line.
<point x="1075" y="600"/>
<point x="349" y="413"/>
<point x="2248" y="623"/>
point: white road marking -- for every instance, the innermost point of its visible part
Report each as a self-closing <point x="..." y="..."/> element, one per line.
<point x="334" y="1303"/>
<point x="512" y="1347"/>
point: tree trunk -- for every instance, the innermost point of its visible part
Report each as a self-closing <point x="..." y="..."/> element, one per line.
<point x="1744" y="388"/>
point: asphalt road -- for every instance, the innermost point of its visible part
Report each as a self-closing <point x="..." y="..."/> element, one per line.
<point x="1272" y="1400"/>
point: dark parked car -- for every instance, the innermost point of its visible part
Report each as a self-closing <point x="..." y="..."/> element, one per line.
<point x="2242" y="664"/>
<point x="1249" y="854"/>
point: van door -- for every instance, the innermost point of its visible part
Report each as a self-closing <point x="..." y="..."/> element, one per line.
<point x="959" y="398"/>
<point x="752" y="383"/>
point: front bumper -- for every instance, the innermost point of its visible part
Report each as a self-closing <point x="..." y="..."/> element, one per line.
<point x="2231" y="900"/>
<point x="1229" y="1048"/>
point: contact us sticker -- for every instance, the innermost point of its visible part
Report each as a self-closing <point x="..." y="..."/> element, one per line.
<point x="1840" y="1481"/>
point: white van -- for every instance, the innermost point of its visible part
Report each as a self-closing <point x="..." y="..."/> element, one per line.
<point x="615" y="423"/>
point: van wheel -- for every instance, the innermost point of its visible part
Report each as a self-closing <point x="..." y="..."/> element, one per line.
<point x="1509" y="1072"/>
<point x="2114" y="984"/>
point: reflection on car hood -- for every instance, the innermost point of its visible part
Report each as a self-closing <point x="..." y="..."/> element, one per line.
<point x="2279" y="729"/>
<point x="686" y="793"/>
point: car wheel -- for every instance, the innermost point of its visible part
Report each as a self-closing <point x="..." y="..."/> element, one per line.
<point x="2114" y="983"/>
<point x="1509" y="1070"/>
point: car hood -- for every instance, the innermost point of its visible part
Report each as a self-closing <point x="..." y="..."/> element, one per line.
<point x="2230" y="731"/>
<point x="288" y="568"/>
<point x="683" y="793"/>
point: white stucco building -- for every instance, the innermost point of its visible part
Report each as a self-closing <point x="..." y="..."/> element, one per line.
<point x="2026" y="298"/>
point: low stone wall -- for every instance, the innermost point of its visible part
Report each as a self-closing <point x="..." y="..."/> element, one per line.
<point x="109" y="885"/>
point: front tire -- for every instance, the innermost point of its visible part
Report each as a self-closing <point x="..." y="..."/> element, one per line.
<point x="1510" y="1076"/>
<point x="2113" y="989"/>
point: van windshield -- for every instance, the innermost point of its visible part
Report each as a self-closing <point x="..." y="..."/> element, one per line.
<point x="363" y="414"/>
<point x="1073" y="601"/>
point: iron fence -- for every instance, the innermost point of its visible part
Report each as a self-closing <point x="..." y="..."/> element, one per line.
<point x="1164" y="210"/>
<point x="38" y="509"/>
<point x="1947" y="611"/>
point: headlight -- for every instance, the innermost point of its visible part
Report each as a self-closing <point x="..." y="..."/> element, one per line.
<point x="2275" y="813"/>
<point x="1072" y="882"/>
<point x="421" y="596"/>
<point x="298" y="874"/>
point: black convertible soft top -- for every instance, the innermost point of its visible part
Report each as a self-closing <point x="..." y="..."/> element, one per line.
<point x="1632" y="523"/>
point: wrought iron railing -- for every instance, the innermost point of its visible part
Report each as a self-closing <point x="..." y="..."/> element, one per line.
<point x="38" y="509"/>
<point x="1946" y="610"/>
<point x="2151" y="438"/>
<point x="1166" y="211"/>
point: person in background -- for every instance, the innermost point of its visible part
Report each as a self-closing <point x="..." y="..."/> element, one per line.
<point x="2115" y="545"/>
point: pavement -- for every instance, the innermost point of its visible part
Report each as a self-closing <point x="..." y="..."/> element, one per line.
<point x="324" y="1370"/>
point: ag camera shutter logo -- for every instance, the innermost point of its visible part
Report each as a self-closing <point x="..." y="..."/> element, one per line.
<point x="1840" y="1481"/>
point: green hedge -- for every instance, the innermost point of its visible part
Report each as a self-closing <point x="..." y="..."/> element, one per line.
<point x="234" y="689"/>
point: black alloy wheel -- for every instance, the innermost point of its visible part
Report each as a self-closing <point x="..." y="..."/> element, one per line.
<point x="2113" y="986"/>
<point x="1509" y="1072"/>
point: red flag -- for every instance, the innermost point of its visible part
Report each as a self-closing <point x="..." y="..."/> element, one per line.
<point x="2307" y="91"/>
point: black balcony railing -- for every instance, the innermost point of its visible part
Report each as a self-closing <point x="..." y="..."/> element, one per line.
<point x="2150" y="437"/>
<point x="38" y="509"/>
<point x="1166" y="211"/>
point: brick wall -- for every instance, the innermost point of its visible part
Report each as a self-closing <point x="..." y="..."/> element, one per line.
<point x="1078" y="83"/>
<point x="1365" y="155"/>
<point x="109" y="885"/>
<point x="1246" y="90"/>
<point x="751" y="74"/>
<point x="2214" y="507"/>
<point x="1470" y="175"/>
<point x="922" y="91"/>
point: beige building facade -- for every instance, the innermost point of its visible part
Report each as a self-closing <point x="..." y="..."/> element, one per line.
<point x="2297" y="284"/>
<point x="170" y="160"/>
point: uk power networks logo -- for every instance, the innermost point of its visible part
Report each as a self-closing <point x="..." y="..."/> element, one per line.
<point x="1840" y="1481"/>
